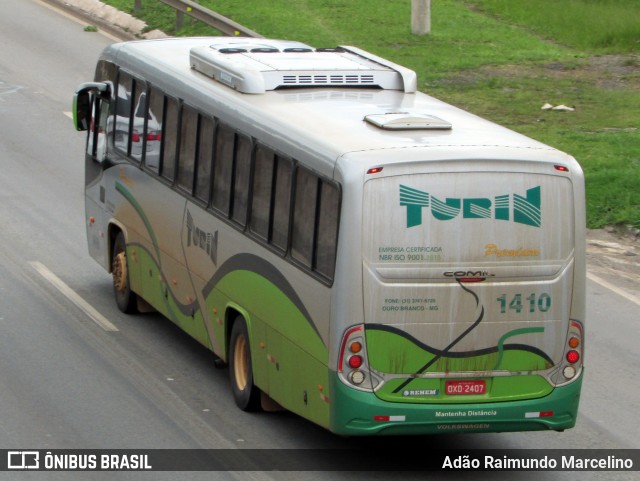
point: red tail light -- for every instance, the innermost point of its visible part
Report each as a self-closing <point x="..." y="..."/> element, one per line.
<point x="344" y="345"/>
<point x="573" y="357"/>
<point x="154" y="135"/>
<point x="574" y="350"/>
<point x="355" y="362"/>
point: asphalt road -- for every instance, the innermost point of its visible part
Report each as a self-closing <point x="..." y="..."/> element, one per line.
<point x="76" y="373"/>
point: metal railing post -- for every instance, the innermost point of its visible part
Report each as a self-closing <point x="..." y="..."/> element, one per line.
<point x="179" y="19"/>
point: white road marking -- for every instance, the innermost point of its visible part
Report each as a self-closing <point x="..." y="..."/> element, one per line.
<point x="68" y="114"/>
<point x="611" y="287"/>
<point x="73" y="296"/>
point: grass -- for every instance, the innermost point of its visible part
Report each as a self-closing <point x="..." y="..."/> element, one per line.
<point x="501" y="59"/>
<point x="597" y="25"/>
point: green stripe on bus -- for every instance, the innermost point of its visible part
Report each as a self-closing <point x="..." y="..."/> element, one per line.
<point x="397" y="353"/>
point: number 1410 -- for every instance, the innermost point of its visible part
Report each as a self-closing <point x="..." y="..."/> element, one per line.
<point x="540" y="303"/>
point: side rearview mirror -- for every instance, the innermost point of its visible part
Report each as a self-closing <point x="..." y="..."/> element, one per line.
<point x="82" y="103"/>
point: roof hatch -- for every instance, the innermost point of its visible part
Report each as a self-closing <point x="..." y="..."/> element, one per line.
<point x="258" y="65"/>
<point x="407" y="121"/>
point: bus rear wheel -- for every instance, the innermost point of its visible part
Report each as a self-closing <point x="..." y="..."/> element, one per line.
<point x="245" y="393"/>
<point x="126" y="299"/>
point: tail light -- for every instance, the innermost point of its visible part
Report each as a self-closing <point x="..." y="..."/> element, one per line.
<point x="573" y="357"/>
<point x="154" y="135"/>
<point x="573" y="353"/>
<point x="353" y="366"/>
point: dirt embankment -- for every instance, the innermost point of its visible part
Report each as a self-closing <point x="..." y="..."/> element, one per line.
<point x="615" y="257"/>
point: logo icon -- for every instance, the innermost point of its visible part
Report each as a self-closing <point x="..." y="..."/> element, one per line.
<point x="23" y="460"/>
<point x="521" y="209"/>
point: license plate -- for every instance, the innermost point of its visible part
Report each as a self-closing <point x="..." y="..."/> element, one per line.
<point x="457" y="388"/>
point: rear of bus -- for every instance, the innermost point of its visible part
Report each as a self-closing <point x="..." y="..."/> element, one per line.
<point x="473" y="296"/>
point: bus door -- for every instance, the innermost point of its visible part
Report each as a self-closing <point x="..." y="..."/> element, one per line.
<point x="91" y="113"/>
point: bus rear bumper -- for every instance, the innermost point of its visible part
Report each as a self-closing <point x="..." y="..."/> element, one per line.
<point x="357" y="413"/>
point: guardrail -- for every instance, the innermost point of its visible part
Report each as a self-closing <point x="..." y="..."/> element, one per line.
<point x="211" y="18"/>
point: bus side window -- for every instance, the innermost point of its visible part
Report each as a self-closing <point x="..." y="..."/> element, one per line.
<point x="205" y="156"/>
<point x="153" y="131"/>
<point x="223" y="169"/>
<point x="327" y="236"/>
<point x="123" y="111"/>
<point x="262" y="187"/>
<point x="101" y="139"/>
<point x="241" y="179"/>
<point x="105" y="72"/>
<point x="137" y="120"/>
<point x="91" y="137"/>
<point x="316" y="213"/>
<point x="169" y="139"/>
<point x="304" y="217"/>
<point x="96" y="139"/>
<point x="187" y="156"/>
<point x="282" y="203"/>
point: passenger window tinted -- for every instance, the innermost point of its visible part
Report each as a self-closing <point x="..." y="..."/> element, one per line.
<point x="281" y="203"/>
<point x="262" y="183"/>
<point x="328" y="218"/>
<point x="153" y="133"/>
<point x="223" y="168"/>
<point x="241" y="180"/>
<point x="136" y="132"/>
<point x="101" y="139"/>
<point x="187" y="157"/>
<point x="123" y="111"/>
<point x="170" y="138"/>
<point x="205" y="154"/>
<point x="304" y="217"/>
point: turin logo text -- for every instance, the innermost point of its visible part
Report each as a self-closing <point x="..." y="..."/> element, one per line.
<point x="521" y="209"/>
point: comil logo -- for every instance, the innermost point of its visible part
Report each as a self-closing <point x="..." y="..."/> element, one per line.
<point x="520" y="209"/>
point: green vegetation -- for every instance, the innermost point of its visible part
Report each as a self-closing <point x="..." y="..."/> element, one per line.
<point x="501" y="59"/>
<point x="596" y="25"/>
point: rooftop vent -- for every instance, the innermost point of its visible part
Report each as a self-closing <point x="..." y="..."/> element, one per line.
<point x="258" y="65"/>
<point x="407" y="121"/>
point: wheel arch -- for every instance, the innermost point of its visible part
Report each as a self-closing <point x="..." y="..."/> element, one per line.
<point x="244" y="385"/>
<point x="231" y="314"/>
<point x="113" y="230"/>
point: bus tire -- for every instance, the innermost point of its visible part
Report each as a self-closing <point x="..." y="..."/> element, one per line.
<point x="126" y="299"/>
<point x="245" y="393"/>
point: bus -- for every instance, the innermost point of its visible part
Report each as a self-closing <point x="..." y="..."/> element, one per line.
<point x="357" y="252"/>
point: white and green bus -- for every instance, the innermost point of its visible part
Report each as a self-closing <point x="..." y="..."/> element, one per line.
<point x="359" y="253"/>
